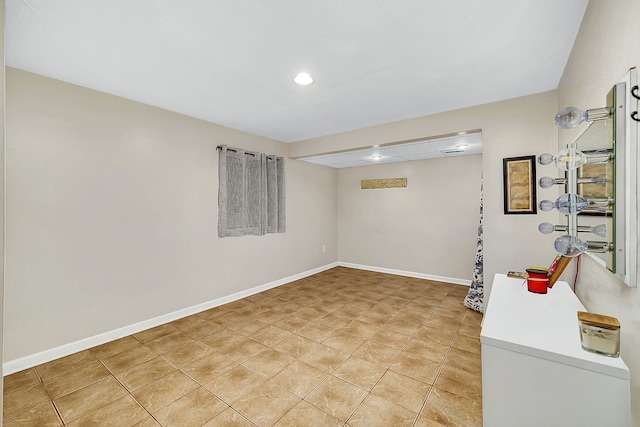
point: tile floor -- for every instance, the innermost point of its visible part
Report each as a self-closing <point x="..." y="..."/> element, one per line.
<point x="344" y="347"/>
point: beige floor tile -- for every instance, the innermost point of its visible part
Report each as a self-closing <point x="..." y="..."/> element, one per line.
<point x="324" y="358"/>
<point x="469" y="344"/>
<point x="270" y="336"/>
<point x="23" y="400"/>
<point x="336" y="397"/>
<point x="201" y="330"/>
<point x="443" y="323"/>
<point x="187" y="323"/>
<point x="378" y="412"/>
<point x="22" y="379"/>
<point x="124" y="411"/>
<point x="234" y="318"/>
<point x="312" y="313"/>
<point x="464" y="360"/>
<point x="416" y="367"/>
<point x="192" y="410"/>
<point x="76" y="379"/>
<point x="473" y="317"/>
<point x="360" y="372"/>
<point x="243" y="350"/>
<point x="460" y="382"/>
<point x="376" y="353"/>
<point x="114" y="347"/>
<point x="229" y="418"/>
<point x="144" y="373"/>
<point x="315" y="331"/>
<point x="296" y="346"/>
<point x="390" y="338"/>
<point x="402" y="390"/>
<point x="291" y="323"/>
<point x="362" y="329"/>
<point x="266" y="404"/>
<point x="428" y="350"/>
<point x="350" y="311"/>
<point x="169" y="342"/>
<point x="155" y="333"/>
<point x="213" y="313"/>
<point x="411" y="316"/>
<point x="452" y="410"/>
<point x="129" y="358"/>
<point x="186" y="355"/>
<point x="401" y="325"/>
<point x="299" y="378"/>
<point x="147" y="422"/>
<point x="343" y="340"/>
<point x="248" y="327"/>
<point x="270" y="316"/>
<point x="162" y="392"/>
<point x="223" y="338"/>
<point x="470" y="330"/>
<point x="65" y="364"/>
<point x="305" y="414"/>
<point x="233" y="383"/>
<point x="81" y="402"/>
<point x="428" y="299"/>
<point x="426" y="422"/>
<point x="361" y="303"/>
<point x="42" y="415"/>
<point x="269" y="362"/>
<point x="334" y="321"/>
<point x="375" y="319"/>
<point x="451" y="312"/>
<point x="287" y="307"/>
<point x="359" y="329"/>
<point x="384" y="309"/>
<point x="435" y="335"/>
<point x="207" y="368"/>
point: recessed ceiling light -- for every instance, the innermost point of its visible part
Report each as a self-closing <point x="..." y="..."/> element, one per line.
<point x="303" y="79"/>
<point x="376" y="157"/>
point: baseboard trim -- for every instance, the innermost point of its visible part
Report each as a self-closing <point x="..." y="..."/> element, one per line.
<point x="45" y="356"/>
<point x="453" y="280"/>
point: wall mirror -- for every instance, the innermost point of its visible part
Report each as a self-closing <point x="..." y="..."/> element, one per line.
<point x="599" y="202"/>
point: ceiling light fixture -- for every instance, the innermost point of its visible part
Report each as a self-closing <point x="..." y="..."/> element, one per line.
<point x="462" y="146"/>
<point x="376" y="157"/>
<point x="303" y="79"/>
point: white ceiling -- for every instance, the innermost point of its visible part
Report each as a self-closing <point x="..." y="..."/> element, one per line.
<point x="232" y="62"/>
<point x="453" y="146"/>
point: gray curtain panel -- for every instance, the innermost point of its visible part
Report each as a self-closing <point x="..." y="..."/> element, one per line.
<point x="251" y="193"/>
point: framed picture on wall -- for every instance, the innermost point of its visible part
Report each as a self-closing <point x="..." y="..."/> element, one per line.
<point x="519" y="185"/>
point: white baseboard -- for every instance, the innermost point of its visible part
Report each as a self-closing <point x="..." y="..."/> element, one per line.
<point x="30" y="361"/>
<point x="407" y="273"/>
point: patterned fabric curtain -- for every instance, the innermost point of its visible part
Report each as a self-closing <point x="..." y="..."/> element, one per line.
<point x="475" y="298"/>
<point x="251" y="193"/>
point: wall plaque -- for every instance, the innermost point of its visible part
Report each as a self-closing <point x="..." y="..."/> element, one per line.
<point x="369" y="184"/>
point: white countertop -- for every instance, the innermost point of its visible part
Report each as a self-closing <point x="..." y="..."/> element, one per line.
<point x="541" y="325"/>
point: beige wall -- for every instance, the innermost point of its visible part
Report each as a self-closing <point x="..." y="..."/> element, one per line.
<point x="428" y="227"/>
<point x="2" y="192"/>
<point x="515" y="127"/>
<point x="112" y="215"/>
<point x="607" y="45"/>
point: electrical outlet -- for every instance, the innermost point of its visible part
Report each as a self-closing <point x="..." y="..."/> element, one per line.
<point x="324" y="248"/>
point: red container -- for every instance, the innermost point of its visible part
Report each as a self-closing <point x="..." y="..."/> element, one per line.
<point x="537" y="280"/>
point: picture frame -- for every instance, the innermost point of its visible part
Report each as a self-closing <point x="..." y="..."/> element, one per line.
<point x="519" y="185"/>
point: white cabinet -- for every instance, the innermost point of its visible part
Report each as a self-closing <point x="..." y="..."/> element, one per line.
<point x="534" y="371"/>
